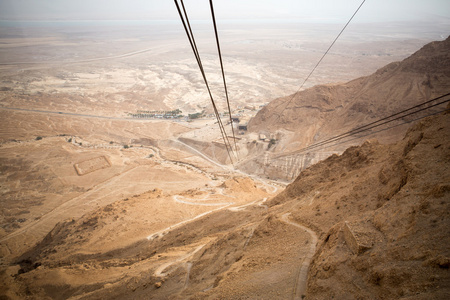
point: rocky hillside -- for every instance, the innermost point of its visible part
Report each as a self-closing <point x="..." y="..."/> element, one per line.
<point x="320" y="110"/>
<point x="324" y="111"/>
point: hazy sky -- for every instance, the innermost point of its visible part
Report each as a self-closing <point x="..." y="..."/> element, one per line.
<point x="307" y="10"/>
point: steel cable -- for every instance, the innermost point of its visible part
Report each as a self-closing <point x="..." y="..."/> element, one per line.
<point x="188" y="29"/>
<point x="372" y="125"/>
<point x="385" y="118"/>
<point x="223" y="75"/>
<point x="320" y="60"/>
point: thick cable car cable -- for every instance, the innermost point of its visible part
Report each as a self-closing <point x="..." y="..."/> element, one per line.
<point x="223" y="75"/>
<point x="383" y="121"/>
<point x="191" y="38"/>
<point x="188" y="29"/>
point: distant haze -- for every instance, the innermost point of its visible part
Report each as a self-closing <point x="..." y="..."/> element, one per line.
<point x="326" y="11"/>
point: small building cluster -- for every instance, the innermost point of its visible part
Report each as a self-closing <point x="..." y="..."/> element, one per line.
<point x="154" y="114"/>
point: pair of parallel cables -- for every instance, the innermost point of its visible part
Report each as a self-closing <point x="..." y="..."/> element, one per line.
<point x="187" y="27"/>
<point x="366" y="130"/>
<point x="368" y="127"/>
